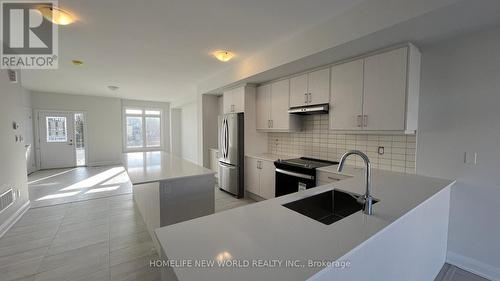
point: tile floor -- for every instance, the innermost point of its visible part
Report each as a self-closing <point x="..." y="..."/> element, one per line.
<point x="83" y="238"/>
<point x="225" y="201"/>
<point x="96" y="235"/>
<point x="99" y="239"/>
<point x="51" y="187"/>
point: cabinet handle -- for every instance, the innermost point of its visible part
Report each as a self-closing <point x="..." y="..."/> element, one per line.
<point x="365" y="120"/>
<point x="310" y="97"/>
<point x="333" y="179"/>
<point x="272" y="123"/>
<point x="359" y="120"/>
<point x="305" y="98"/>
<point x="269" y="123"/>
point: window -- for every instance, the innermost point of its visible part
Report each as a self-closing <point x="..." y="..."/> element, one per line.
<point x="80" y="139"/>
<point x="56" y="129"/>
<point x="142" y="128"/>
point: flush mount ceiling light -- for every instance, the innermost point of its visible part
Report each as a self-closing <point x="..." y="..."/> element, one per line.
<point x="113" y="88"/>
<point x="223" y="55"/>
<point x="57" y="15"/>
<point x="77" y="62"/>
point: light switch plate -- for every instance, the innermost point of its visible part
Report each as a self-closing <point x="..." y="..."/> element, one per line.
<point x="470" y="158"/>
<point x="381" y="150"/>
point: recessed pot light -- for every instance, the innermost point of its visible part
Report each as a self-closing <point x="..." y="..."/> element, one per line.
<point x="57" y="15"/>
<point x="223" y="55"/>
<point x="77" y="62"/>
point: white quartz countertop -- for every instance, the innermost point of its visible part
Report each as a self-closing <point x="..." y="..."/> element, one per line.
<point x="267" y="231"/>
<point x="146" y="167"/>
<point x="268" y="156"/>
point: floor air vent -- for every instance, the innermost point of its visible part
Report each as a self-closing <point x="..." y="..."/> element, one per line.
<point x="6" y="199"/>
<point x="12" y="75"/>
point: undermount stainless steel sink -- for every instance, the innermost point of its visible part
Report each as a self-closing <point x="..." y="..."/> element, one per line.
<point x="328" y="207"/>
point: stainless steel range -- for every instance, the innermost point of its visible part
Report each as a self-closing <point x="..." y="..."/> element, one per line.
<point x="297" y="174"/>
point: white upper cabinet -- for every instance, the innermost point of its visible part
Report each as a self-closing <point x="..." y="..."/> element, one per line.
<point x="272" y="104"/>
<point x="280" y="95"/>
<point x="263" y="107"/>
<point x="310" y="89"/>
<point x="377" y="93"/>
<point x="384" y="105"/>
<point x="319" y="86"/>
<point x="298" y="91"/>
<point x="234" y="100"/>
<point x="346" y="101"/>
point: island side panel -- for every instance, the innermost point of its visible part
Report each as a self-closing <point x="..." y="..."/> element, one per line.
<point x="413" y="248"/>
<point x="186" y="198"/>
<point x="147" y="199"/>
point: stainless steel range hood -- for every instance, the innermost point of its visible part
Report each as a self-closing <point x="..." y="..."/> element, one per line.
<point x="308" y="110"/>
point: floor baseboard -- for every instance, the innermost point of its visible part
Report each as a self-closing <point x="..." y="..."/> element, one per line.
<point x="14" y="218"/>
<point x="474" y="266"/>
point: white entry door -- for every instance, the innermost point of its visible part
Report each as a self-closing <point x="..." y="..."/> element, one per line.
<point x="57" y="135"/>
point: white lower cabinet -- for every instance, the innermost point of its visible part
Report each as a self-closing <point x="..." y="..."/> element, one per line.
<point x="259" y="177"/>
<point x="214" y="161"/>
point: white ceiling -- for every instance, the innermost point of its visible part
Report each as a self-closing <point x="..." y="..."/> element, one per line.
<point x="160" y="49"/>
<point x="455" y="18"/>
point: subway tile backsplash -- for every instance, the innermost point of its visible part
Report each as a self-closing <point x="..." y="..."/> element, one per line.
<point x="317" y="141"/>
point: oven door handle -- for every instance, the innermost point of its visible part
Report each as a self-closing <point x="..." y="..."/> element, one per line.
<point x="293" y="174"/>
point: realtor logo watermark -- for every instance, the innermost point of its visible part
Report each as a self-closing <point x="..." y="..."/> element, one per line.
<point x="29" y="40"/>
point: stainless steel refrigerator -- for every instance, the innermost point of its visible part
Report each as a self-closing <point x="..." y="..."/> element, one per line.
<point x="231" y="153"/>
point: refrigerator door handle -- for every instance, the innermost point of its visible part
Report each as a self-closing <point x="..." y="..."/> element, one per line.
<point x="227" y="138"/>
<point x="226" y="165"/>
<point x="223" y="138"/>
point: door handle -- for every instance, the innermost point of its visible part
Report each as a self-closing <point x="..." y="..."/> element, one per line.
<point x="227" y="139"/>
<point x="294" y="174"/>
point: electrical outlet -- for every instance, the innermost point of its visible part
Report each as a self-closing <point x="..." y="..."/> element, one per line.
<point x="470" y="158"/>
<point x="381" y="150"/>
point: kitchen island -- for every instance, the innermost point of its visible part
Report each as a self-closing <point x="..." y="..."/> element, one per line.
<point x="404" y="239"/>
<point x="168" y="189"/>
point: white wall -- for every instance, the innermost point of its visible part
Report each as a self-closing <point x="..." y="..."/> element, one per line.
<point x="189" y="132"/>
<point x="176" y="131"/>
<point x="13" y="161"/>
<point x="104" y="122"/>
<point x="210" y="111"/>
<point x="459" y="112"/>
